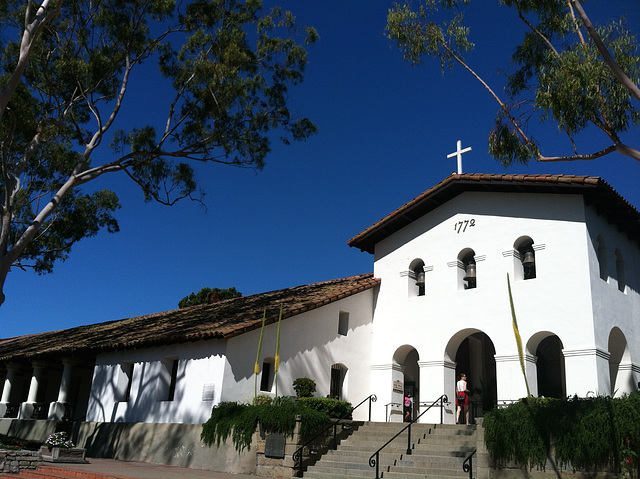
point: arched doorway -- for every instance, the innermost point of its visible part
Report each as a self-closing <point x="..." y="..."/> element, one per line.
<point x="474" y="354"/>
<point x="408" y="372"/>
<point x="550" y="370"/>
<point x="620" y="366"/>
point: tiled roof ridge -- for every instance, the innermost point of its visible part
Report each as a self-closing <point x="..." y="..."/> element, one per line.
<point x="211" y="321"/>
<point x="560" y="180"/>
<point x="365" y="281"/>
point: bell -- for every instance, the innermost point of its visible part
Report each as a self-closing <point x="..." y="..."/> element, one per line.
<point x="471" y="272"/>
<point x="420" y="279"/>
<point x="529" y="259"/>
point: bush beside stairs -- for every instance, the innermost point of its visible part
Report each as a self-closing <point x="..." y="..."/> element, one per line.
<point x="437" y="452"/>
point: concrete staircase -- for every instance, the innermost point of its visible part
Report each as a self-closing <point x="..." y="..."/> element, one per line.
<point x="437" y="452"/>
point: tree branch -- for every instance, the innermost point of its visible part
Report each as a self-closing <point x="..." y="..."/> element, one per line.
<point x="592" y="156"/>
<point x="503" y="106"/>
<point x="606" y="56"/>
<point x="535" y="30"/>
<point x="30" y="35"/>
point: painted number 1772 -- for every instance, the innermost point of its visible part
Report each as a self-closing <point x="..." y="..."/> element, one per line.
<point x="461" y="226"/>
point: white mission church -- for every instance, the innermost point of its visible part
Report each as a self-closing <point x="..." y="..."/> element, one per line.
<point x="436" y="305"/>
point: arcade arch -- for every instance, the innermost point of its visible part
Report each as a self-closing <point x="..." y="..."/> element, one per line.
<point x="620" y="364"/>
<point x="546" y="347"/>
<point x="473" y="353"/>
<point x="407" y="372"/>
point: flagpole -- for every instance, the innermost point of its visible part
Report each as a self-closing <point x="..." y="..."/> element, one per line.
<point x="277" y="360"/>
<point x="256" y="369"/>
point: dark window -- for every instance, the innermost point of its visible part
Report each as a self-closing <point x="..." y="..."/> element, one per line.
<point x="174" y="378"/>
<point x="129" y="374"/>
<point x="265" y="383"/>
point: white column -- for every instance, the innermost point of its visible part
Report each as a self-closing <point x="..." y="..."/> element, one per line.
<point x="12" y="369"/>
<point x="383" y="378"/>
<point x="587" y="371"/>
<point x="26" y="408"/>
<point x="58" y="408"/>
<point x="437" y="378"/>
<point x="65" y="382"/>
<point x="511" y="385"/>
<point x="38" y="367"/>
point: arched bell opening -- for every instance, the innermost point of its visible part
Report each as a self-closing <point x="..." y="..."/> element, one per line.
<point x="416" y="276"/>
<point x="602" y="259"/>
<point x="622" y="284"/>
<point x="467" y="273"/>
<point x="525" y="258"/>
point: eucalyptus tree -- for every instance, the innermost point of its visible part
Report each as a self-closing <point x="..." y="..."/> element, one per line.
<point x="221" y="71"/>
<point x="566" y="71"/>
<point x="209" y="295"/>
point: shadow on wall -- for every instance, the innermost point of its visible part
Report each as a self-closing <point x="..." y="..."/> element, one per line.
<point x="171" y="444"/>
<point x="35" y="430"/>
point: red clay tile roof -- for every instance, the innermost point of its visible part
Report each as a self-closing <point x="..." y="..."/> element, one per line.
<point x="595" y="190"/>
<point x="221" y="320"/>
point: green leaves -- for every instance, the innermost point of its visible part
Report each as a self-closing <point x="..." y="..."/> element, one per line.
<point x="239" y="421"/>
<point x="207" y="295"/>
<point x="586" y="433"/>
<point x="230" y="64"/>
<point x="557" y="74"/>
<point x="78" y="217"/>
<point x="507" y="146"/>
<point x="418" y="35"/>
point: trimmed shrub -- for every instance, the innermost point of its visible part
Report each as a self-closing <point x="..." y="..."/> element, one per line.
<point x="331" y="407"/>
<point x="304" y="387"/>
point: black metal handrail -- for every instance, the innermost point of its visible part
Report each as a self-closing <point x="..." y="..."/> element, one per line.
<point x="386" y="409"/>
<point x="374" y="460"/>
<point x="467" y="464"/>
<point x="297" y="456"/>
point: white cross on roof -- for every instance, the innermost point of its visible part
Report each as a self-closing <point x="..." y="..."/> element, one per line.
<point x="458" y="153"/>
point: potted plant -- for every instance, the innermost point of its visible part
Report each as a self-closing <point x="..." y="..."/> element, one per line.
<point x="59" y="448"/>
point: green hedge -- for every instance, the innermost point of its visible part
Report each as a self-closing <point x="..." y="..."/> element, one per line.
<point x="239" y="421"/>
<point x="587" y="434"/>
<point x="331" y="407"/>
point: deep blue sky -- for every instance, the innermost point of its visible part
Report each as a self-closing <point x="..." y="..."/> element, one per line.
<point x="385" y="129"/>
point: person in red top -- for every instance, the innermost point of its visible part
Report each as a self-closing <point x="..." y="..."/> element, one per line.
<point x="462" y="397"/>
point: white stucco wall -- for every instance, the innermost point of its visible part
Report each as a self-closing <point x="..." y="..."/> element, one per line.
<point x="558" y="301"/>
<point x="309" y="345"/>
<point x="616" y="305"/>
<point x="200" y="368"/>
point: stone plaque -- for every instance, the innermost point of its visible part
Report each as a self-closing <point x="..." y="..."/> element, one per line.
<point x="398" y="386"/>
<point x="274" y="445"/>
<point x="208" y="392"/>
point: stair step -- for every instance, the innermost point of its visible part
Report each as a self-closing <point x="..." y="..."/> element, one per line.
<point x="437" y="452"/>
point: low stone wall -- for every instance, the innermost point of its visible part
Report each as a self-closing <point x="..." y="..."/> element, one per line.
<point x="32" y="429"/>
<point x="171" y="444"/>
<point x="16" y="461"/>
